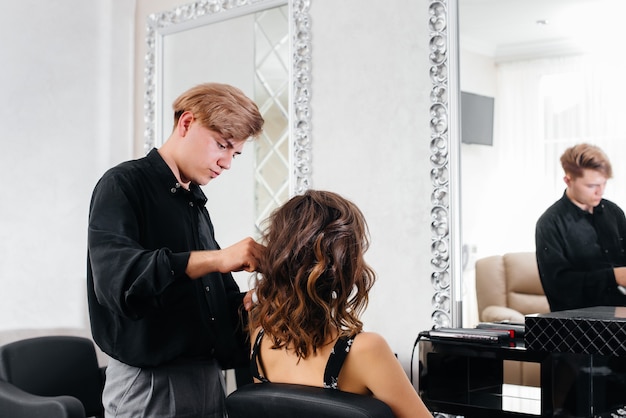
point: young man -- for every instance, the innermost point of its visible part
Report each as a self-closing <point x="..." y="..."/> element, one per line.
<point x="163" y="304"/>
<point x="580" y="238"/>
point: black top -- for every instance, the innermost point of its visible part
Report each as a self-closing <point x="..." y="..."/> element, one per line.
<point x="144" y="309"/>
<point x="333" y="366"/>
<point x="576" y="254"/>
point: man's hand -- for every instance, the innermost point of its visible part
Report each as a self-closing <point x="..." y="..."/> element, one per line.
<point x="242" y="256"/>
<point x="248" y="300"/>
<point x="620" y="275"/>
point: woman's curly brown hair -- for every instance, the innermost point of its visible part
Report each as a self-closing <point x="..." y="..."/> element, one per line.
<point x="314" y="278"/>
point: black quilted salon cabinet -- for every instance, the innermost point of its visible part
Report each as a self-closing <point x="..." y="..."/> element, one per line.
<point x="582" y="360"/>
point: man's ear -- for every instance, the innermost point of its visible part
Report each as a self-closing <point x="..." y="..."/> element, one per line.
<point x="567" y="180"/>
<point x="184" y="122"/>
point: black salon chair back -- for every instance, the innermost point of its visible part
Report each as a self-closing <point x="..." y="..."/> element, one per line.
<point x="53" y="376"/>
<point x="280" y="400"/>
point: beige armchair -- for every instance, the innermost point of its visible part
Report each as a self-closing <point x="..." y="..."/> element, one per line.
<point x="508" y="288"/>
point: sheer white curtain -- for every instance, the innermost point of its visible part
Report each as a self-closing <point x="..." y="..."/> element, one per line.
<point x="584" y="102"/>
<point x="541" y="108"/>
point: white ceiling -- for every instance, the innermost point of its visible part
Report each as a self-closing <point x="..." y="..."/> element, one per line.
<point x="509" y="29"/>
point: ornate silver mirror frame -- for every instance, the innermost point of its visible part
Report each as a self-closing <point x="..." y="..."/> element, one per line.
<point x="445" y="164"/>
<point x="207" y="11"/>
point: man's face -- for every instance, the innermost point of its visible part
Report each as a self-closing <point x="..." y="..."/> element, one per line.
<point x="206" y="154"/>
<point x="586" y="191"/>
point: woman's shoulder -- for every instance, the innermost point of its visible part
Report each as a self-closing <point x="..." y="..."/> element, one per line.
<point x="368" y="337"/>
<point x="369" y="343"/>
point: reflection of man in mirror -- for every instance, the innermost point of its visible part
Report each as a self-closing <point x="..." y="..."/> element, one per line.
<point x="580" y="238"/>
<point x="162" y="301"/>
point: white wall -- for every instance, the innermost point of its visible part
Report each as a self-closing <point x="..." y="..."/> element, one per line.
<point x="65" y="106"/>
<point x="370" y="100"/>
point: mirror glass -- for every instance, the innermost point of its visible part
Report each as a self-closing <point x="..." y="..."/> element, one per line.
<point x="256" y="60"/>
<point x="550" y="75"/>
<point x="261" y="47"/>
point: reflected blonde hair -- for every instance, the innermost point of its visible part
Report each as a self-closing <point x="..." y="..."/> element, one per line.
<point x="315" y="281"/>
<point x="221" y="108"/>
<point x="585" y="156"/>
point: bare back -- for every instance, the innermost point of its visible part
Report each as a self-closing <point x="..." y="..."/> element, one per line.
<point x="371" y="368"/>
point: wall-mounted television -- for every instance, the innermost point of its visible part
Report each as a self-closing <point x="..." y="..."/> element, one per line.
<point x="476" y="119"/>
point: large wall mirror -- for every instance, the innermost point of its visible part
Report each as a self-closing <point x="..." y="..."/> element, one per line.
<point x="553" y="75"/>
<point x="263" y="48"/>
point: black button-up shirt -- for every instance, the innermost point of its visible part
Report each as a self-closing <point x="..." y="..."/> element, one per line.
<point x="144" y="309"/>
<point x="576" y="254"/>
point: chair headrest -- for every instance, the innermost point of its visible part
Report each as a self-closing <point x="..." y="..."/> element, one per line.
<point x="282" y="400"/>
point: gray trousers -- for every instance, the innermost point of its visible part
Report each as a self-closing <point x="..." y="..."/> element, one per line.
<point x="183" y="389"/>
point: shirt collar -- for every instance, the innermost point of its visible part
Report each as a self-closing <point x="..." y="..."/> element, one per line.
<point x="168" y="180"/>
<point x="578" y="211"/>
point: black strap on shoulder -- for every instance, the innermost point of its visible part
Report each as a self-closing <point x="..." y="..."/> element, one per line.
<point x="256" y="355"/>
<point x="335" y="361"/>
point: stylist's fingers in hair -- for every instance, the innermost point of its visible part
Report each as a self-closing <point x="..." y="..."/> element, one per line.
<point x="248" y="252"/>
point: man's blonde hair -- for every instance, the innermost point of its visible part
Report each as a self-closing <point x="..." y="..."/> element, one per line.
<point x="221" y="108"/>
<point x="585" y="156"/>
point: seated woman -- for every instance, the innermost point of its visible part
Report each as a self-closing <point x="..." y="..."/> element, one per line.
<point x="305" y="328"/>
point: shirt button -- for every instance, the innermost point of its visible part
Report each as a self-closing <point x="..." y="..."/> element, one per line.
<point x="207" y="288"/>
<point x="172" y="272"/>
<point x="173" y="190"/>
<point x="191" y="204"/>
<point x="212" y="318"/>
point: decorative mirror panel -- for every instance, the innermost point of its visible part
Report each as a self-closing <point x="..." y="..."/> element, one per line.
<point x="260" y="46"/>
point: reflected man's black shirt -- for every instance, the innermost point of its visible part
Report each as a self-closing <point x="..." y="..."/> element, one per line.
<point x="576" y="254"/>
<point x="144" y="309"/>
